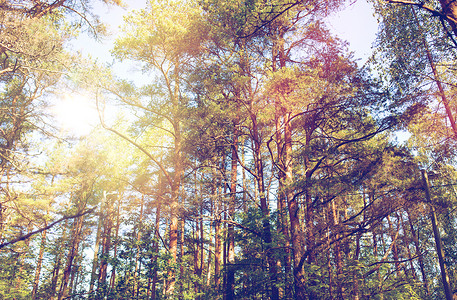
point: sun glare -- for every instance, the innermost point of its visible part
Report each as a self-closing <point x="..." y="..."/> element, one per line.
<point x="76" y="114"/>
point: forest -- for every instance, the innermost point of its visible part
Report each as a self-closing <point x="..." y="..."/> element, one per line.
<point x="242" y="152"/>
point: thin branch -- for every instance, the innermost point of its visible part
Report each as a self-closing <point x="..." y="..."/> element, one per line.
<point x="423" y="6"/>
<point x="26" y="236"/>
<point x="138" y="146"/>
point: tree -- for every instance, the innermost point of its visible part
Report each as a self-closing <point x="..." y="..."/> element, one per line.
<point x="167" y="35"/>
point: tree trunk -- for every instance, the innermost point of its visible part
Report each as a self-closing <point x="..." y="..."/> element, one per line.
<point x="181" y="261"/>
<point x="394" y="248"/>
<point x="266" y="234"/>
<point x="57" y="264"/>
<point x="72" y="253"/>
<point x="355" y="285"/>
<point x="93" y="273"/>
<point x="337" y="253"/>
<point x="296" y="234"/>
<point x="230" y="292"/>
<point x="156" y="248"/>
<point x="38" y="265"/>
<point x="174" y="205"/>
<point x="436" y="234"/>
<point x="217" y="236"/>
<point x="102" y="287"/>
<point x="419" y="253"/>
<point x="116" y="237"/>
<point x="138" y="236"/>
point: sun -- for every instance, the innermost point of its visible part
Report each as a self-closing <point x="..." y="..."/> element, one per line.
<point x="75" y="114"/>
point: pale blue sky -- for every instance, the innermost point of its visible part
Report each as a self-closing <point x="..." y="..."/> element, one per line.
<point x="357" y="25"/>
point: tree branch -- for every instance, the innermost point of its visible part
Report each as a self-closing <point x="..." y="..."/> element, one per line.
<point x="26" y="236"/>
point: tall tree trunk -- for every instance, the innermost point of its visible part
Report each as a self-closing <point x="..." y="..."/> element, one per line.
<point x="230" y="292"/>
<point x="39" y="263"/>
<point x="283" y="139"/>
<point x="116" y="238"/>
<point x="296" y="234"/>
<point x="355" y="285"/>
<point x="266" y="234"/>
<point x="72" y="253"/>
<point x="93" y="274"/>
<point x="74" y="273"/>
<point x="394" y="248"/>
<point x="102" y="287"/>
<point x="209" y="257"/>
<point x="218" y="260"/>
<point x="281" y="202"/>
<point x="337" y="253"/>
<point x="174" y="205"/>
<point x="436" y="234"/>
<point x="202" y="241"/>
<point x="419" y="253"/>
<point x="181" y="255"/>
<point x="138" y="249"/>
<point x="155" y="247"/>
<point x="57" y="264"/>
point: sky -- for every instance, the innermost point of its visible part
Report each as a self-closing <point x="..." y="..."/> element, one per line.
<point x="354" y="24"/>
<point x="357" y="25"/>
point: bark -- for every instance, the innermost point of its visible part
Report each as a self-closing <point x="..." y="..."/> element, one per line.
<point x="72" y="253"/>
<point x="217" y="232"/>
<point x="196" y="253"/>
<point x="337" y="253"/>
<point x="394" y="248"/>
<point x="436" y="235"/>
<point x="281" y="202"/>
<point x="266" y="234"/>
<point x="93" y="273"/>
<point x="283" y="136"/>
<point x="217" y="253"/>
<point x="419" y="253"/>
<point x="202" y="242"/>
<point x="138" y="250"/>
<point x="57" y="264"/>
<point x="39" y="262"/>
<point x="55" y="275"/>
<point x="329" y="265"/>
<point x="175" y="188"/>
<point x="102" y="287"/>
<point x="156" y="249"/>
<point x="181" y="262"/>
<point x="209" y="263"/>
<point x="230" y="288"/>
<point x="116" y="237"/>
<point x="355" y="286"/>
<point x="74" y="274"/>
<point x="294" y="219"/>
<point x="106" y="245"/>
